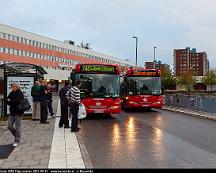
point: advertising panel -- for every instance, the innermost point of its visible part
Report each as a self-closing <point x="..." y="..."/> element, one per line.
<point x="26" y="84"/>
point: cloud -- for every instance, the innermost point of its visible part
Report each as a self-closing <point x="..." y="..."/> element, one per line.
<point x="110" y="25"/>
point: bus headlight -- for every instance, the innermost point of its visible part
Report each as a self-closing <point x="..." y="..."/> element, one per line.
<point x="114" y="107"/>
<point x="126" y="98"/>
<point x="156" y="103"/>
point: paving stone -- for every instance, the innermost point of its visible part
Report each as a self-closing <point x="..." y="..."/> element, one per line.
<point x="44" y="161"/>
<point x="39" y="166"/>
<point x="24" y="157"/>
<point x="11" y="164"/>
<point x="34" y="152"/>
<point x="41" y="156"/>
<point x="11" y="158"/>
<point x="30" y="162"/>
<point x="46" y="151"/>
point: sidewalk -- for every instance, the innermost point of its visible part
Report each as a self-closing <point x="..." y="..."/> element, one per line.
<point x="42" y="146"/>
<point x="34" y="149"/>
<point x="206" y="115"/>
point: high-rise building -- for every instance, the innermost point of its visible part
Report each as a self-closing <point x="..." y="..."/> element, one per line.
<point x="189" y="60"/>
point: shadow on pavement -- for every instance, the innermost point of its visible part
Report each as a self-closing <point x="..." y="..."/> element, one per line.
<point x="5" y="151"/>
<point x="139" y="110"/>
<point x="99" y="117"/>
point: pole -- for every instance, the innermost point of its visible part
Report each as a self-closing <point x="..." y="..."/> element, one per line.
<point x="154" y="58"/>
<point x="136" y="48"/>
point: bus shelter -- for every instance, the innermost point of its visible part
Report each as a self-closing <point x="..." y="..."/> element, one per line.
<point x="23" y="74"/>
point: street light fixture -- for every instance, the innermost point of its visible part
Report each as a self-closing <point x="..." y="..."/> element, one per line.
<point x="154" y="57"/>
<point x="136" y="47"/>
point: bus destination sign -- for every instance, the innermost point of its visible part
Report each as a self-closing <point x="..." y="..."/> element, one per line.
<point x="97" y="68"/>
<point x="145" y="73"/>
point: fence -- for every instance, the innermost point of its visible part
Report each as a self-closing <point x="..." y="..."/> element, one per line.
<point x="194" y="102"/>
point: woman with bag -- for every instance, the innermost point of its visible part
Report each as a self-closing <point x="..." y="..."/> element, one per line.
<point x="15" y="117"/>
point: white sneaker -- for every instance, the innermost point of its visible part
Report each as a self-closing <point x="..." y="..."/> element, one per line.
<point x="15" y="144"/>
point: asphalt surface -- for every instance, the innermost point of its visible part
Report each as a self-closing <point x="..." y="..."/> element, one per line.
<point x="154" y="139"/>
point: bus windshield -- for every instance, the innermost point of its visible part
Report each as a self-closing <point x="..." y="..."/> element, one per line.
<point x="144" y="85"/>
<point x="99" y="85"/>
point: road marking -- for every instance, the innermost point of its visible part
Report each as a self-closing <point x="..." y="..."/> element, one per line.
<point x="65" y="150"/>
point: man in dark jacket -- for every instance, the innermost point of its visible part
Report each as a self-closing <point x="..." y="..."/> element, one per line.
<point x="35" y="91"/>
<point x="64" y="106"/>
<point x="15" y="117"/>
<point x="50" y="99"/>
<point x="43" y="103"/>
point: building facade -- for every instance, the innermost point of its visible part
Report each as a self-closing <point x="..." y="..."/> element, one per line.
<point x="158" y="65"/>
<point x="189" y="60"/>
<point x="24" y="47"/>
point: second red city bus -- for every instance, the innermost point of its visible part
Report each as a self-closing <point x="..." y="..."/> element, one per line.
<point x="100" y="92"/>
<point x="141" y="88"/>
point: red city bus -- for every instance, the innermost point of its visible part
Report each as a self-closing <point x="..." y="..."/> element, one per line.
<point x="141" y="88"/>
<point x="100" y="92"/>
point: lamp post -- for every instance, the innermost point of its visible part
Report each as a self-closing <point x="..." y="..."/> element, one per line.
<point x="154" y="57"/>
<point x="136" y="47"/>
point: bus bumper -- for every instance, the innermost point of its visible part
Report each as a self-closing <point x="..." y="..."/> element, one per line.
<point x="141" y="105"/>
<point x="111" y="110"/>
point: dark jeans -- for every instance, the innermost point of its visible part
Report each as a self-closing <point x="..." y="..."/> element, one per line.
<point x="15" y="120"/>
<point x="74" y="111"/>
<point x="64" y="116"/>
<point x="50" y="108"/>
<point x="44" y="112"/>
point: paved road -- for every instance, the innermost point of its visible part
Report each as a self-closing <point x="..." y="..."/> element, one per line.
<point x="155" y="139"/>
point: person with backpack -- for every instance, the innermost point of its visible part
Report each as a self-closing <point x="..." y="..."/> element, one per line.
<point x="64" y="106"/>
<point x="73" y="97"/>
<point x="14" y="120"/>
<point x="35" y="92"/>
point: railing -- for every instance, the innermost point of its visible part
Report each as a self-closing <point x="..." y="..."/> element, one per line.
<point x="204" y="103"/>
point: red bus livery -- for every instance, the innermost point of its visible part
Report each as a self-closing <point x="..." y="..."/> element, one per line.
<point x="141" y="88"/>
<point x="100" y="92"/>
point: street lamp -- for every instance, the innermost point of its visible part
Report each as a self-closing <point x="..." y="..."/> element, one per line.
<point x="154" y="57"/>
<point x="136" y="47"/>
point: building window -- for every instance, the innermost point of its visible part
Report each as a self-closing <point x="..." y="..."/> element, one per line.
<point x="1" y="35"/>
<point x="15" y="52"/>
<point x="6" y="50"/>
<point x="10" y="37"/>
<point x="21" y="40"/>
<point x="11" y="51"/>
<point x="6" y="36"/>
<point x="1" y="49"/>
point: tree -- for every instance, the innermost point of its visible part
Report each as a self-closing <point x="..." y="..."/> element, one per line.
<point x="167" y="79"/>
<point x="187" y="78"/>
<point x="210" y="78"/>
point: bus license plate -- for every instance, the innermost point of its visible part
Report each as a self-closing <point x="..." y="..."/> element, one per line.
<point x="145" y="105"/>
<point x="98" y="111"/>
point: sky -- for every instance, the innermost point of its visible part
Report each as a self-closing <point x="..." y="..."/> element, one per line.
<point x="109" y="25"/>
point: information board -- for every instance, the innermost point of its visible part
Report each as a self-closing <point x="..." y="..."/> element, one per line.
<point x="26" y="84"/>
